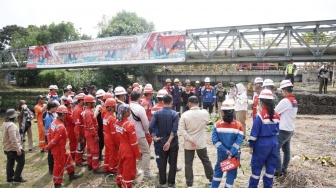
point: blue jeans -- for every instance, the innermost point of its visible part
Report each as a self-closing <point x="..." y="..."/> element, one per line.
<point x="184" y="108"/>
<point x="284" y="138"/>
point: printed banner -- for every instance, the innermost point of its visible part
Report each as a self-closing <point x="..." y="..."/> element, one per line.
<point x="163" y="47"/>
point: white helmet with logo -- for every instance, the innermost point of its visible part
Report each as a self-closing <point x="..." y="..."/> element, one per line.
<point x="266" y="94"/>
<point x="161" y="93"/>
<point x="228" y="104"/>
<point x="100" y="93"/>
<point x="69" y="87"/>
<point x="258" y="80"/>
<point x="286" y="83"/>
<point x="119" y="91"/>
<point x="207" y="79"/>
<point x="268" y="82"/>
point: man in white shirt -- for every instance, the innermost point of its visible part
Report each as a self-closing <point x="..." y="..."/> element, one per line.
<point x="241" y="106"/>
<point x="192" y="128"/>
<point x="287" y="109"/>
<point x="141" y="124"/>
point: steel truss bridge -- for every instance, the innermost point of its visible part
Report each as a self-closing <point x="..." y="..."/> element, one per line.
<point x="311" y="41"/>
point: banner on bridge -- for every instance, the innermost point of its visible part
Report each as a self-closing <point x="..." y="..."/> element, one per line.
<point x="158" y="47"/>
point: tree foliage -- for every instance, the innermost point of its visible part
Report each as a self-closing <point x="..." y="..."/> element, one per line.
<point x="310" y="38"/>
<point x="123" y="23"/>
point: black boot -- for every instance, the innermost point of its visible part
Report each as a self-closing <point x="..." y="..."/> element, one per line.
<point x="73" y="176"/>
<point x="89" y="167"/>
<point x="58" y="185"/>
<point x="99" y="171"/>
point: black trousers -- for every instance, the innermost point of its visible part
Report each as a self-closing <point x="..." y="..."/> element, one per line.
<point x="323" y="85"/>
<point x="11" y="158"/>
<point x="50" y="158"/>
<point x="171" y="157"/>
<point x="290" y="77"/>
<point x="207" y="105"/>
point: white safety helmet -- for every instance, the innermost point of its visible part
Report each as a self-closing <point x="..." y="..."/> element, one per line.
<point x="286" y="83"/>
<point x="258" y="80"/>
<point x="119" y="91"/>
<point x="100" y="93"/>
<point x="69" y="87"/>
<point x="266" y="94"/>
<point x="51" y="87"/>
<point x="268" y="82"/>
<point x="207" y="79"/>
<point x="148" y="86"/>
<point x="55" y="87"/>
<point x="161" y="93"/>
<point x="228" y="104"/>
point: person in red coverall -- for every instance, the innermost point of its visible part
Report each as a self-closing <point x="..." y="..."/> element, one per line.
<point x="58" y="139"/>
<point x="128" y="149"/>
<point x="105" y="97"/>
<point x="110" y="138"/>
<point x="168" y="86"/>
<point x="70" y="128"/>
<point x="79" y="129"/>
<point x="145" y="102"/>
<point x="91" y="135"/>
<point x="255" y="110"/>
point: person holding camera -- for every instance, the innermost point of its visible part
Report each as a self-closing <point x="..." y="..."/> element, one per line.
<point x="25" y="116"/>
<point x="12" y="147"/>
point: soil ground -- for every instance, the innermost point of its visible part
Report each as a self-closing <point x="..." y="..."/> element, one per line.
<point x="314" y="136"/>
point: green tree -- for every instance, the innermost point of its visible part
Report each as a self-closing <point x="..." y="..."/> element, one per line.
<point x="123" y="23"/>
<point x="6" y="34"/>
<point x="309" y="38"/>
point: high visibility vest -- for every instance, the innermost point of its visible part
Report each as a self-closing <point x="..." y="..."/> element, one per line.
<point x="290" y="68"/>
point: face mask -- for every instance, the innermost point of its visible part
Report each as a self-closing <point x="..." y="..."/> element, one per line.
<point x="228" y="117"/>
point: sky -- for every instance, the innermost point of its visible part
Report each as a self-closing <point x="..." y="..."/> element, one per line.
<point x="166" y="15"/>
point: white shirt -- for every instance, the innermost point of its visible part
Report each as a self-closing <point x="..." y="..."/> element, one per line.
<point x="287" y="115"/>
<point x="141" y="127"/>
<point x="241" y="102"/>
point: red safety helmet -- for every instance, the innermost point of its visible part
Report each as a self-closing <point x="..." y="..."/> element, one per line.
<point x="229" y="164"/>
<point x="148" y="91"/>
<point x="107" y="96"/>
<point x="110" y="102"/>
<point x="62" y="109"/>
<point x="168" y="80"/>
<point x="135" y="85"/>
<point x="80" y="96"/>
<point x="89" y="98"/>
<point x="67" y="101"/>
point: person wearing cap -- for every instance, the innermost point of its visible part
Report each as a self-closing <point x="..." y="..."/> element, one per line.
<point x="208" y="95"/>
<point x="241" y="106"/>
<point x="263" y="141"/>
<point x="72" y="94"/>
<point x="227" y="137"/>
<point x="93" y="90"/>
<point x="58" y="140"/>
<point x="269" y="84"/>
<point x="110" y="138"/>
<point x="25" y="118"/>
<point x="220" y="96"/>
<point x="168" y="86"/>
<point x="52" y="95"/>
<point x="48" y="117"/>
<point x="110" y="89"/>
<point x="163" y="129"/>
<point x="140" y="120"/>
<point x="290" y="71"/>
<point x="176" y="92"/>
<point x="39" y="109"/>
<point x="70" y="128"/>
<point x="184" y="97"/>
<point x="11" y="142"/>
<point x="287" y="108"/>
<point x="91" y="135"/>
<point x="128" y="149"/>
<point x="198" y="92"/>
<point x="192" y="128"/>
<point x="79" y="129"/>
<point x="98" y="114"/>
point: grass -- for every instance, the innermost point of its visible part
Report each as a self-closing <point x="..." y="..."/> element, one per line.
<point x="313" y="137"/>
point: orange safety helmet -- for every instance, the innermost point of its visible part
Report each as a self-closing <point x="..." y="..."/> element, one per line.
<point x="62" y="109"/>
<point x="80" y="96"/>
<point x="89" y="98"/>
<point x="135" y="85"/>
<point x="148" y="91"/>
<point x="110" y="102"/>
<point x="107" y="96"/>
<point x="229" y="164"/>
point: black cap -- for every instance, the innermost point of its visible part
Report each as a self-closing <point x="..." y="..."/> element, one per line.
<point x="93" y="87"/>
<point x="110" y="85"/>
<point x="65" y="90"/>
<point x="193" y="99"/>
<point x="40" y="97"/>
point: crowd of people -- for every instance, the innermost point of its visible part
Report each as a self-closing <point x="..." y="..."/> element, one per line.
<point x="118" y="127"/>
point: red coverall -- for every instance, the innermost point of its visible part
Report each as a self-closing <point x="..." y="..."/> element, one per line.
<point x="62" y="159"/>
<point x="111" y="144"/>
<point x="147" y="105"/>
<point x="157" y="107"/>
<point x="91" y="135"/>
<point x="79" y="129"/>
<point x="167" y="89"/>
<point x="128" y="153"/>
<point x="70" y="128"/>
<point x="255" y="106"/>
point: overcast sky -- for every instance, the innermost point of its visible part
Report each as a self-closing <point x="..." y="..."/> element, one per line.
<point x="166" y="15"/>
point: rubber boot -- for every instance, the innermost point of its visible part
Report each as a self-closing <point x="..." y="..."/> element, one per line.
<point x="58" y="186"/>
<point x="73" y="176"/>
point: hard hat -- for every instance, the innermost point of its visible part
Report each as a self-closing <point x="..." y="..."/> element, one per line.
<point x="67" y="101"/>
<point x="268" y="82"/>
<point x="135" y="85"/>
<point x="161" y="93"/>
<point x="89" y="98"/>
<point x="207" y="79"/>
<point x="51" y="87"/>
<point x="228" y="104"/>
<point x="148" y="91"/>
<point x="286" y="83"/>
<point x="100" y="93"/>
<point x="197" y="82"/>
<point x="80" y="96"/>
<point x="148" y="86"/>
<point x="55" y="87"/>
<point x="176" y="80"/>
<point x="110" y="102"/>
<point x="168" y="80"/>
<point x="258" y="80"/>
<point x="56" y="102"/>
<point x="108" y="95"/>
<point x="137" y="89"/>
<point x="62" y="109"/>
<point x="120" y="91"/>
<point x="187" y="81"/>
<point x="266" y="94"/>
<point x="69" y="87"/>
